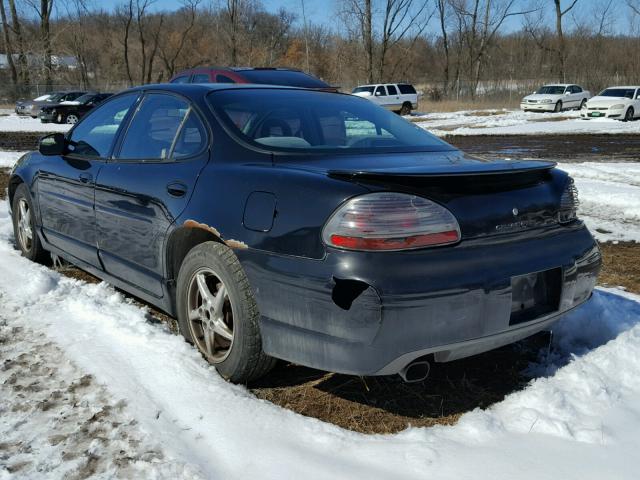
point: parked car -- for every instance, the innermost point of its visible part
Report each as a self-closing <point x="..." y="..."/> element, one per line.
<point x="622" y="103"/>
<point x="32" y="107"/>
<point x="555" y="98"/>
<point x="309" y="226"/>
<point x="397" y="97"/>
<point x="263" y="76"/>
<point x="71" y="111"/>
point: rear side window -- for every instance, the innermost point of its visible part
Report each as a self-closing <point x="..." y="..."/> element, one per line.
<point x="224" y="79"/>
<point x="201" y="78"/>
<point x="283" y="77"/>
<point x="406" y="89"/>
<point x="161" y="125"/>
<point x="392" y="90"/>
<point x="181" y="79"/>
<point x="577" y="89"/>
<point x="94" y="136"/>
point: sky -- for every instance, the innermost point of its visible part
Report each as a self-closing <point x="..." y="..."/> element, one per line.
<point x="324" y="11"/>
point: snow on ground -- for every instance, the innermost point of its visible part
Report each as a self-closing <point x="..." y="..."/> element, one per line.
<point x="516" y="122"/>
<point x="16" y="123"/>
<point x="609" y="196"/>
<point x="7" y="159"/>
<point x="578" y="421"/>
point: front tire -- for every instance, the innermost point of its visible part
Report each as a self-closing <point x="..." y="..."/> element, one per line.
<point x="71" y="119"/>
<point x="24" y="226"/>
<point x="218" y="314"/>
<point x="558" y="107"/>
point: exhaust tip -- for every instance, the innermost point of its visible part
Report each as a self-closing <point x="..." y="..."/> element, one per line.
<point x="415" y="371"/>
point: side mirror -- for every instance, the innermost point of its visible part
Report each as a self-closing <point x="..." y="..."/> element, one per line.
<point x="54" y="144"/>
<point x="378" y="93"/>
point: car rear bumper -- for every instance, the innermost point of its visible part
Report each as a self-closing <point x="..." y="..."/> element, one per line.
<point x="372" y="314"/>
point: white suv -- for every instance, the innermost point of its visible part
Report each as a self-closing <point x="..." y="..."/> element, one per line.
<point x="398" y="97"/>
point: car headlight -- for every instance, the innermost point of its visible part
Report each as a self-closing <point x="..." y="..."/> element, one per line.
<point x="618" y="106"/>
<point x="569" y="203"/>
<point x="546" y="100"/>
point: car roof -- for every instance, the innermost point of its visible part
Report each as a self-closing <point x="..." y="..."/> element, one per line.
<point x="623" y="86"/>
<point x="240" y="69"/>
<point x="560" y="84"/>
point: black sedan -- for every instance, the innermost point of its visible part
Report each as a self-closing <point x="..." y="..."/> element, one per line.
<point x="309" y="226"/>
<point x="71" y="111"/>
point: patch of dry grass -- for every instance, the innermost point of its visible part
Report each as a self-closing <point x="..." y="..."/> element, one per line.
<point x="621" y="265"/>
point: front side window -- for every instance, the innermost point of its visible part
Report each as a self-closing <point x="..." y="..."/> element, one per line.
<point x="311" y="121"/>
<point x="95" y="134"/>
<point x="200" y="78"/>
<point x="381" y="92"/>
<point x="162" y="128"/>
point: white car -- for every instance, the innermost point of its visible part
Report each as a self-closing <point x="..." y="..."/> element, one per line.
<point x="398" y="97"/>
<point x="555" y="98"/>
<point x="614" y="102"/>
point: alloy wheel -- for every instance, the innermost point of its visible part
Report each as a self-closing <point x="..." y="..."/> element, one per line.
<point x="210" y="315"/>
<point x="72" y="119"/>
<point x="25" y="232"/>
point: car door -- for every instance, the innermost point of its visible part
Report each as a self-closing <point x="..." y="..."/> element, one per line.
<point x="394" y="100"/>
<point x="380" y="96"/>
<point x="65" y="184"/>
<point x="147" y="184"/>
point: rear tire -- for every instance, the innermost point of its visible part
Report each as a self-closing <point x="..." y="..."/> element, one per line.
<point x="558" y="107"/>
<point x="24" y="227"/>
<point x="582" y="104"/>
<point x="217" y="313"/>
<point x="405" y="109"/>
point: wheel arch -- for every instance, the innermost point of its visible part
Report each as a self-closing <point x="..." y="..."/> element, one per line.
<point x="14" y="182"/>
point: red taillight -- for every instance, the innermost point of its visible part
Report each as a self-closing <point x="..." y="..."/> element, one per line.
<point x="390" y="221"/>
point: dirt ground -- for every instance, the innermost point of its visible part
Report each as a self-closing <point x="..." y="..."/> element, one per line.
<point x="386" y="404"/>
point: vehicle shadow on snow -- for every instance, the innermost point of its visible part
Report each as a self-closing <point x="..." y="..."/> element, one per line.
<point x="387" y="404"/>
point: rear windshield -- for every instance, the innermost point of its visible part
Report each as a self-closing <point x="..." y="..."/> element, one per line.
<point x="618" y="92"/>
<point x="311" y="121"/>
<point x="551" y="90"/>
<point x="362" y="89"/>
<point x="406" y="89"/>
<point x="283" y="77"/>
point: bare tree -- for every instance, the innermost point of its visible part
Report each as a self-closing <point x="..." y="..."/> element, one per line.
<point x="360" y="13"/>
<point x="561" y="49"/>
<point x="480" y="21"/>
<point x="43" y="10"/>
<point x="442" y="8"/>
<point x="22" y="56"/>
<point x="8" y="46"/>
<point x="125" y="17"/>
<point x="172" y="46"/>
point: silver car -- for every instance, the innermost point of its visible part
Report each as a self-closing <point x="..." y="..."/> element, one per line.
<point x="32" y="107"/>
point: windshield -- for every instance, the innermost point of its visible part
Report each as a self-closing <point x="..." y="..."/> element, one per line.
<point x="289" y="78"/>
<point x="54" y="97"/>
<point x="87" y="97"/>
<point x="363" y="89"/>
<point x="618" y="92"/>
<point x="41" y="98"/>
<point x="311" y="121"/>
<point x="551" y="90"/>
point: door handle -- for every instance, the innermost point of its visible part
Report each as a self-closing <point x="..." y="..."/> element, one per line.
<point x="86" y="177"/>
<point x="177" y="189"/>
